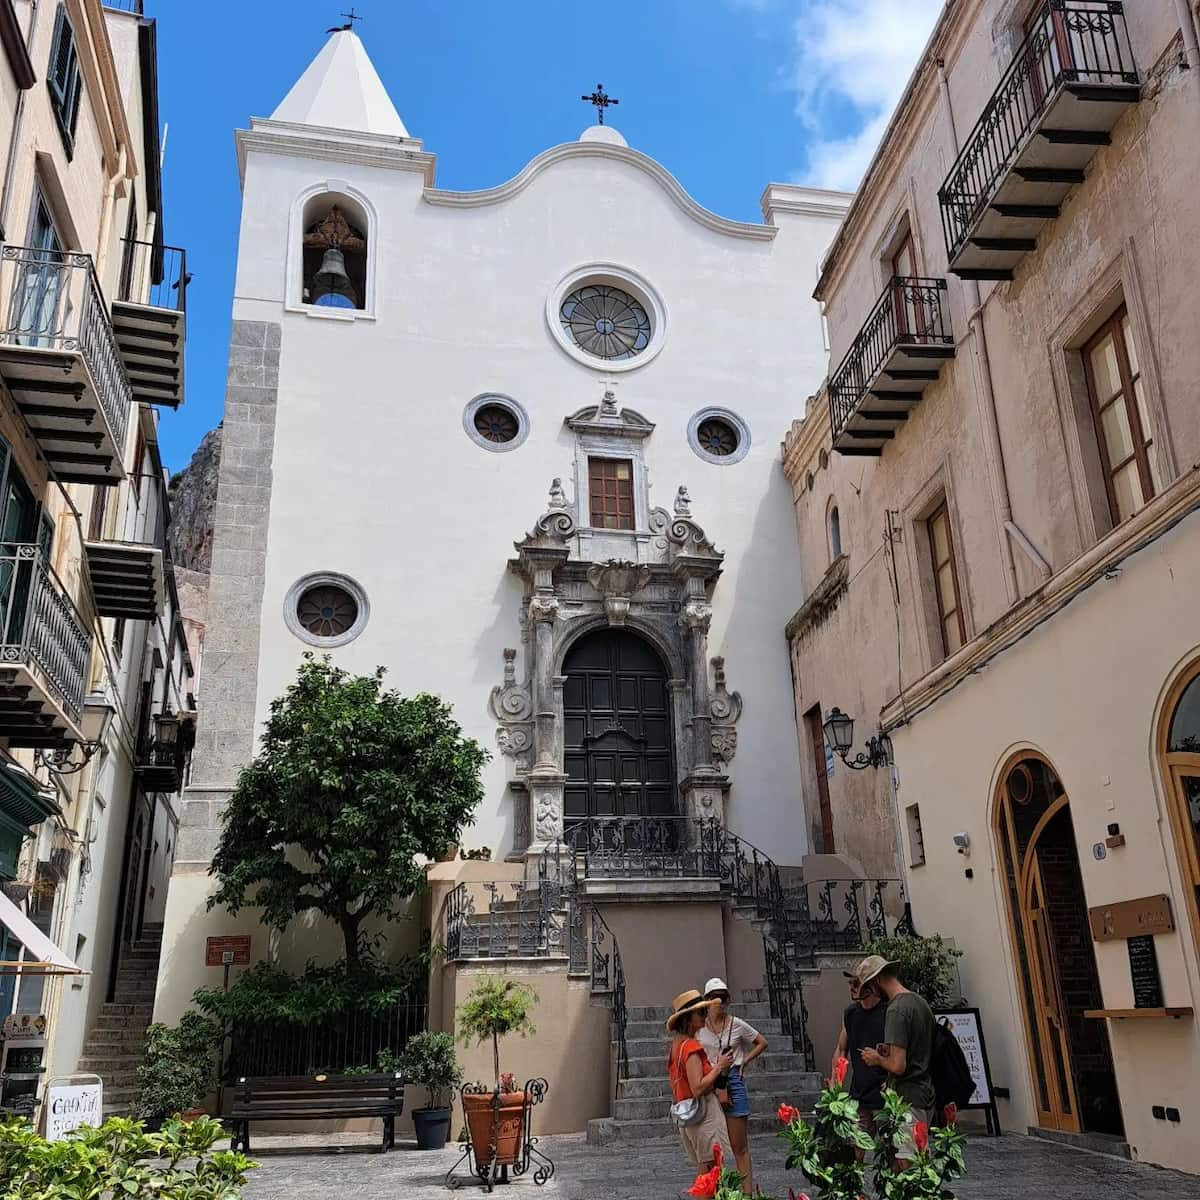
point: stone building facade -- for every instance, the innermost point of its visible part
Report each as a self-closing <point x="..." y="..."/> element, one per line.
<point x="996" y="497"/>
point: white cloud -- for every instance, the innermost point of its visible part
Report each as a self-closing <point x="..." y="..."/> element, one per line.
<point x="853" y="57"/>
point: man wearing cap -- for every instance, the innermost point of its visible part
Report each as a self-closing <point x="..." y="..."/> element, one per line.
<point x="907" y="1047"/>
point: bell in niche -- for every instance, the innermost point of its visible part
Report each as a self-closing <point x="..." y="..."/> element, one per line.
<point x="331" y="286"/>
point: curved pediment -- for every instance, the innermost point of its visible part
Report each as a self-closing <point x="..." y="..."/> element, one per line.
<point x="622" y="154"/>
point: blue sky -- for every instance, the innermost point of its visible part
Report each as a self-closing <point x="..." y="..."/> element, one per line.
<point x="727" y="94"/>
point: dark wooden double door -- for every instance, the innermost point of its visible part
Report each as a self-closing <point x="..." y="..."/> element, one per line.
<point x="617" y="730"/>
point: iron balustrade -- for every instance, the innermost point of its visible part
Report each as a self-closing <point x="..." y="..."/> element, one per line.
<point x="1069" y="42"/>
<point x="909" y="312"/>
<point x="54" y="302"/>
<point x="608" y="976"/>
<point x="785" y="995"/>
<point x="347" y="1040"/>
<point x="839" y="914"/>
<point x="154" y="274"/>
<point x="40" y="625"/>
<point x="644" y="847"/>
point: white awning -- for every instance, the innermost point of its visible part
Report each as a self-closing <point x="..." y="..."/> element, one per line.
<point x="42" y="956"/>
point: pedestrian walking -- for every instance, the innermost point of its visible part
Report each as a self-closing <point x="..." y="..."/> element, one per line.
<point x="723" y="1032"/>
<point x="696" y="1111"/>
<point x="906" y="1050"/>
<point x="863" y="1025"/>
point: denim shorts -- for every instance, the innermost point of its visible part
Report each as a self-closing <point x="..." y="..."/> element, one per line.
<point x="739" y="1098"/>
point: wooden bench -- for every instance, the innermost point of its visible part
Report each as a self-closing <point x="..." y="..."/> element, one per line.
<point x="314" y="1098"/>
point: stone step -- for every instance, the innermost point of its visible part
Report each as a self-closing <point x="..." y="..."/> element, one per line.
<point x="122" y="1024"/>
<point x="773" y="1082"/>
<point x="108" y="1064"/>
<point x="131" y="1038"/>
<point x="606" y="1130"/>
<point x="655" y="1066"/>
<point x="762" y="1103"/>
<point x="126" y="1009"/>
<point x="769" y="1027"/>
<point x="751" y="1012"/>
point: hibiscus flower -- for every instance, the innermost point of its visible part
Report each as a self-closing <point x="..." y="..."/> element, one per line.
<point x="921" y="1136"/>
<point x="950" y="1113"/>
<point x="787" y="1114"/>
<point x="705" y="1187"/>
<point x="840" y="1068"/>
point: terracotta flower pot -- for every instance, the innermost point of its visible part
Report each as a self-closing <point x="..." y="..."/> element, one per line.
<point x="508" y="1135"/>
<point x="449" y="854"/>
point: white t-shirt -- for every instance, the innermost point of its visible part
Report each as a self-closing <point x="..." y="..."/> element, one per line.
<point x="736" y="1035"/>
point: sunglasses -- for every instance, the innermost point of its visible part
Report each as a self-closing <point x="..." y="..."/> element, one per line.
<point x="717" y="996"/>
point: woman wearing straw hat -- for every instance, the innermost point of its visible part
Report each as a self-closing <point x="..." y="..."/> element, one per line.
<point x="702" y="1123"/>
<point x="722" y="1031"/>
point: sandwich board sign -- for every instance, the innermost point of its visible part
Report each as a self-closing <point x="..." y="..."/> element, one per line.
<point x="71" y="1102"/>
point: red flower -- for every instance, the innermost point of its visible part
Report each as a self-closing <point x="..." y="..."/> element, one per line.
<point x="792" y="1195"/>
<point x="718" y="1154"/>
<point x="705" y="1187"/>
<point x="921" y="1136"/>
<point x="840" y="1068"/>
<point x="787" y="1114"/>
<point x="950" y="1113"/>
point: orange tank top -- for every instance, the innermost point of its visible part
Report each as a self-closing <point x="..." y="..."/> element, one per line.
<point x="677" y="1067"/>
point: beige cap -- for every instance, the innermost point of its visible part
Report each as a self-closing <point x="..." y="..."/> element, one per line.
<point x="870" y="967"/>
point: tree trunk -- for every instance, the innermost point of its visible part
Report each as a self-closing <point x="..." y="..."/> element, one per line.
<point x="496" y="1058"/>
<point x="350" y="923"/>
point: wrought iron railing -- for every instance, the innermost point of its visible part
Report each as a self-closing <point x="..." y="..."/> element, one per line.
<point x="1069" y="42"/>
<point x="911" y="311"/>
<point x="53" y="301"/>
<point x="350" y="1041"/>
<point x="129" y="6"/>
<point x="154" y="275"/>
<point x="785" y="992"/>
<point x="839" y="914"/>
<point x="645" y="847"/>
<point x="608" y="976"/>
<point x="40" y="625"/>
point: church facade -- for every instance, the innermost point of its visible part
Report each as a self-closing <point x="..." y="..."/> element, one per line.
<point x="519" y="446"/>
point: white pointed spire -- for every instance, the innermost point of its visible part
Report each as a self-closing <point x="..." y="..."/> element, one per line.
<point x="342" y="90"/>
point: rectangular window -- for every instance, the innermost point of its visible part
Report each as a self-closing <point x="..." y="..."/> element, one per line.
<point x="64" y="79"/>
<point x="118" y="638"/>
<point x="816" y="735"/>
<point x="916" y="838"/>
<point x="610" y="493"/>
<point x="945" y="581"/>
<point x="139" y="463"/>
<point x="1123" y="429"/>
<point x="99" y="509"/>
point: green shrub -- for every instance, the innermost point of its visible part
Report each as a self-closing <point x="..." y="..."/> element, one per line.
<point x="121" y="1159"/>
<point x="926" y="965"/>
<point x="429" y="1060"/>
<point x="494" y="1008"/>
<point x="179" y="1067"/>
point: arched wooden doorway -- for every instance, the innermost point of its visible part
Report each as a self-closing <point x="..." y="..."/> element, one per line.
<point x="1179" y="746"/>
<point x="1074" y="1084"/>
<point x="618" y="751"/>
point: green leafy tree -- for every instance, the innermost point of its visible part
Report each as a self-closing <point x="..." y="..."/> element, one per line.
<point x="926" y="965"/>
<point x="493" y="1008"/>
<point x="351" y="786"/>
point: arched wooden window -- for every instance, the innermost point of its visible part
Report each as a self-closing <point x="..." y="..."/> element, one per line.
<point x="1180" y="748"/>
<point x="335" y="252"/>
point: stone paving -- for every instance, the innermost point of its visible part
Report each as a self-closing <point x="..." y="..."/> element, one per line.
<point x="1008" y="1168"/>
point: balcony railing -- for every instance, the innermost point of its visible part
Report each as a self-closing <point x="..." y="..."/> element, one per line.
<point x="908" y="322"/>
<point x="154" y="275"/>
<point x="1076" y="44"/>
<point x="52" y="302"/>
<point x="41" y="628"/>
<point x="129" y="6"/>
<point x="643" y="847"/>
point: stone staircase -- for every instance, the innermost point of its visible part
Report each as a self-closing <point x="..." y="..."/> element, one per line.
<point x="114" y="1045"/>
<point x="640" y="1111"/>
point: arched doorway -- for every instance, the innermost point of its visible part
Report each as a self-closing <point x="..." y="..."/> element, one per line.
<point x="1074" y="1084"/>
<point x="1180" y="750"/>
<point x="618" y="751"/>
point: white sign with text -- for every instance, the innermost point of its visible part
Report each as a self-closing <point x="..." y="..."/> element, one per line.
<point x="965" y="1027"/>
<point x="70" y="1106"/>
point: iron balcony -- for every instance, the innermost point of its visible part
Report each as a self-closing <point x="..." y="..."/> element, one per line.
<point x="149" y="320"/>
<point x="45" y="653"/>
<point x="1071" y="80"/>
<point x="59" y="359"/>
<point x="897" y="354"/>
<point x="160" y="766"/>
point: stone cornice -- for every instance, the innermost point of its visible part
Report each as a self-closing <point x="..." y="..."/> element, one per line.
<point x="805" y="438"/>
<point x="288" y="140"/>
<point x="1179" y="502"/>
<point x="803" y="201"/>
<point x="580" y="150"/>
<point x="822" y="601"/>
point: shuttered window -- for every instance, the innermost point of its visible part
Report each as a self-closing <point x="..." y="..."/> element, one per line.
<point x="64" y="80"/>
<point x="945" y="581"/>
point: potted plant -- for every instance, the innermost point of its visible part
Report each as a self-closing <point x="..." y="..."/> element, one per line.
<point x="429" y="1060"/>
<point x="496" y="1007"/>
<point x="178" y="1070"/>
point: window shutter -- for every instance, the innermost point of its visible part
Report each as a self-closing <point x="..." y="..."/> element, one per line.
<point x="62" y="55"/>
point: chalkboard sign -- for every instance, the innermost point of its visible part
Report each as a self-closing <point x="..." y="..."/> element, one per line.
<point x="1143" y="970"/>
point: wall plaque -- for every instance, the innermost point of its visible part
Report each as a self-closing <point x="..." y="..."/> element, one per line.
<point x="227" y="951"/>
<point x="1143" y="970"/>
<point x="1131" y="918"/>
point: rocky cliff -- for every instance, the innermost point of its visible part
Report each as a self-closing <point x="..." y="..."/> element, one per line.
<point x="193" y="493"/>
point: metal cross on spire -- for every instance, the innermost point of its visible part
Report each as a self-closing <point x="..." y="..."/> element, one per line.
<point x="351" y="17"/>
<point x="601" y="99"/>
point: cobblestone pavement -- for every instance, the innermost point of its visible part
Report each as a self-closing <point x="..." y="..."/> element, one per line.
<point x="1007" y="1168"/>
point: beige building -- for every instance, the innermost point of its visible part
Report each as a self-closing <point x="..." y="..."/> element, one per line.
<point x="94" y="665"/>
<point x="996" y="494"/>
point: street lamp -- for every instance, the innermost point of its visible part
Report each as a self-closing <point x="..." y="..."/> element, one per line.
<point x="839" y="734"/>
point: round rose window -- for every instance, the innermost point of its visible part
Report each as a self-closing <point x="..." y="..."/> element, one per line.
<point x="327" y="610"/>
<point x="605" y="321"/>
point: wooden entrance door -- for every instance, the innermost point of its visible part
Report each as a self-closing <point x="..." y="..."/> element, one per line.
<point x="617" y="738"/>
<point x="1180" y="747"/>
<point x="816" y="734"/>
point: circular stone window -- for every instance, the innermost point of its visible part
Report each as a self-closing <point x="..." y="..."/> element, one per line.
<point x="496" y="422"/>
<point x="606" y="317"/>
<point x="326" y="609"/>
<point x="719" y="436"/>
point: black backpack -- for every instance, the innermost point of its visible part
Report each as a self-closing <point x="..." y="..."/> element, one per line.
<point x="952" y="1081"/>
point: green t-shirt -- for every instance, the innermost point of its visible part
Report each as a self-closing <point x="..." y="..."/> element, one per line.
<point x="909" y="1023"/>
